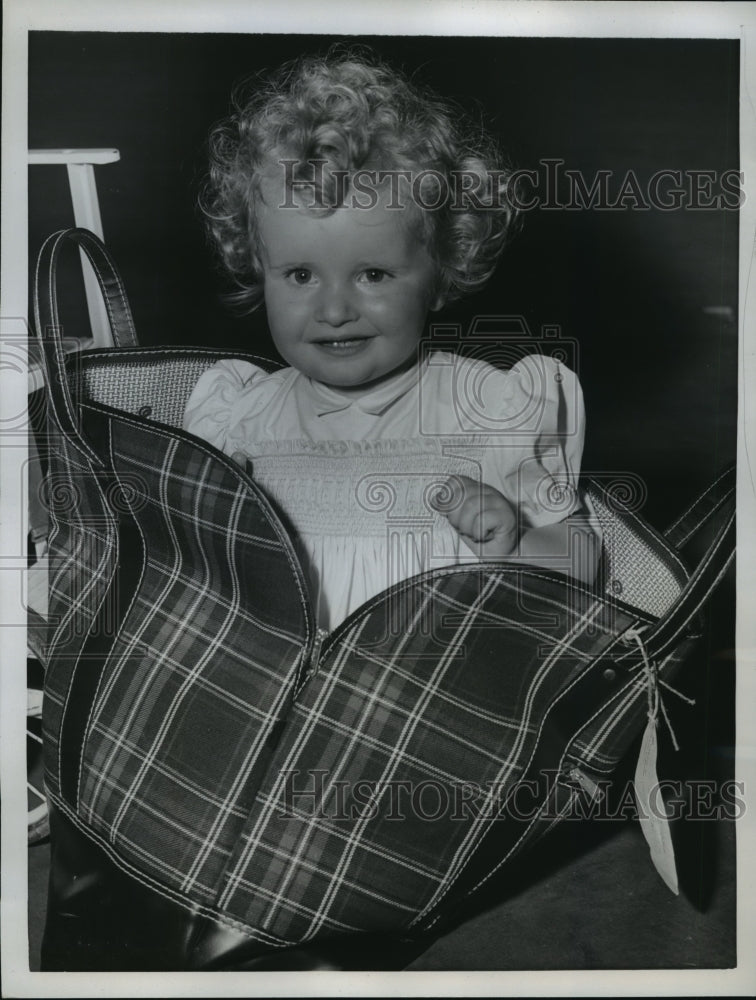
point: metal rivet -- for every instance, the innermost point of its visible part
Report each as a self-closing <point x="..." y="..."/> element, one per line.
<point x="609" y="674"/>
<point x="145" y="411"/>
<point x="616" y="587"/>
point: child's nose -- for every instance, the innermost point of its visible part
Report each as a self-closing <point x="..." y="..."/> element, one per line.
<point x="335" y="305"/>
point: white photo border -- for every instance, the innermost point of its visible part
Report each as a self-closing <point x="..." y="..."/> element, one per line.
<point x="406" y="17"/>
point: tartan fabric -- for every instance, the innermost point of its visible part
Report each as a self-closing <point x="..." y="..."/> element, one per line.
<point x="214" y="768"/>
<point x="202" y="668"/>
<point x="643" y="571"/>
<point x="82" y="564"/>
<point x="434" y="724"/>
<point x="605" y="738"/>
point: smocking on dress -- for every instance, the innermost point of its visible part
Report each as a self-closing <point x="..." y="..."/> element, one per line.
<point x="362" y="478"/>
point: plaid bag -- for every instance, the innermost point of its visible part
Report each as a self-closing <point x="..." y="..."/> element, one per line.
<point x="238" y="786"/>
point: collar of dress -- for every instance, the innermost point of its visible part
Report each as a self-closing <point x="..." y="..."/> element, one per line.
<point x="374" y="401"/>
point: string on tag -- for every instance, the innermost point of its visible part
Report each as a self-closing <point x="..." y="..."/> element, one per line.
<point x="653" y="695"/>
<point x="668" y="686"/>
<point x="653" y="815"/>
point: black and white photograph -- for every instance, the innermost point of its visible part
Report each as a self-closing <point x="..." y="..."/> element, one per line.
<point x="376" y="409"/>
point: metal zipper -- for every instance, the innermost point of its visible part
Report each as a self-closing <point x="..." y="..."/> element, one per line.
<point x="588" y="785"/>
<point x="320" y="636"/>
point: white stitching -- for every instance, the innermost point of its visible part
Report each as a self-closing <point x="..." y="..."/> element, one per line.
<point x="535" y="745"/>
<point x="95" y="699"/>
<point x="106" y="298"/>
<point x="255" y="493"/>
<point x="439" y="897"/>
<point x="698" y="501"/>
<point x="64" y="707"/>
<point x="691" y="612"/>
<point x="255" y="933"/>
<point x="79" y="442"/>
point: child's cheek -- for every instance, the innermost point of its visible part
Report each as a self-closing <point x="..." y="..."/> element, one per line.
<point x="283" y="300"/>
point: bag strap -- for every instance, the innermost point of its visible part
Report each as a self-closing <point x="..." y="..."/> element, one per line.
<point x="695" y="517"/>
<point x="715" y="507"/>
<point x="50" y="332"/>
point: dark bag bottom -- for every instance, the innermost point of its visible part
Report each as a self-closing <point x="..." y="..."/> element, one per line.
<point x="101" y="920"/>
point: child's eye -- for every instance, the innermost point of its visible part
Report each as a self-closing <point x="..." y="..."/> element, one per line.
<point x="374" y="274"/>
<point x="300" y="275"/>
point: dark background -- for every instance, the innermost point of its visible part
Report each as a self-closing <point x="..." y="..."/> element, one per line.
<point x="659" y="373"/>
<point x="631" y="288"/>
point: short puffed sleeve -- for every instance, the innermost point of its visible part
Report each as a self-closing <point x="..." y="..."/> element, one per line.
<point x="534" y="457"/>
<point x="226" y="396"/>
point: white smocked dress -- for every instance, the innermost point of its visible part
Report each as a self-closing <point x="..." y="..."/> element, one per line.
<point x="359" y="477"/>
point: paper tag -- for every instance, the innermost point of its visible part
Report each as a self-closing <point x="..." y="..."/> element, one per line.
<point x="652" y="811"/>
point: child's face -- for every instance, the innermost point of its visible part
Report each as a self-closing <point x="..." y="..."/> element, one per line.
<point x="346" y="295"/>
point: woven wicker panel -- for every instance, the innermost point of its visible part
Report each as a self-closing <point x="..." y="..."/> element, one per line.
<point x="638" y="567"/>
<point x="155" y="388"/>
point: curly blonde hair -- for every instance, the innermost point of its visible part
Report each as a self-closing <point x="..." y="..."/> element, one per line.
<point x="347" y="112"/>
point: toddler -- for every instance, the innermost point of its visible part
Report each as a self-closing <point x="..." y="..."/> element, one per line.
<point x="353" y="204"/>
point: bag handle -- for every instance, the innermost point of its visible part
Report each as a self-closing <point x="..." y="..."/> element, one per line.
<point x="714" y="507"/>
<point x="49" y="330"/>
<point x="695" y="517"/>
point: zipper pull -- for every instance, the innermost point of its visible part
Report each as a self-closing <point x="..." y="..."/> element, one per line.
<point x="588" y="785"/>
<point x="320" y="635"/>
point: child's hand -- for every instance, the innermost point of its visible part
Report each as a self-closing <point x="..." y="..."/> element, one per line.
<point x="483" y="517"/>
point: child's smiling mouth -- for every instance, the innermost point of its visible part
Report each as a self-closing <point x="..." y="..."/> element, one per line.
<point x="346" y="345"/>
